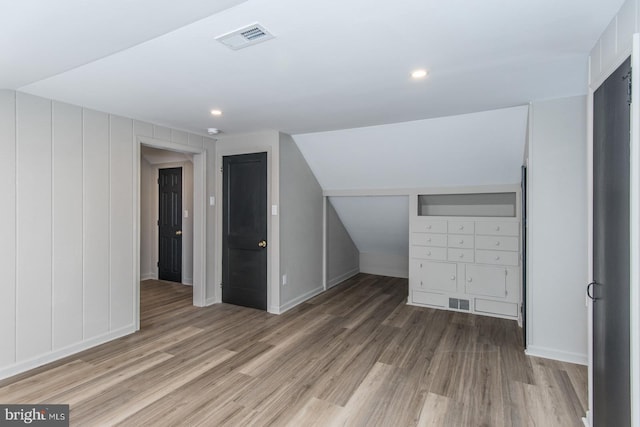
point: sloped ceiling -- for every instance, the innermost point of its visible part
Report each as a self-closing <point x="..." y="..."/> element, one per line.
<point x="334" y="64"/>
<point x="467" y="150"/>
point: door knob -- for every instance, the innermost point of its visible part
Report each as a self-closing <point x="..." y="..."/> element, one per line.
<point x="179" y="233"/>
<point x="590" y="290"/>
<point x="262" y="243"/>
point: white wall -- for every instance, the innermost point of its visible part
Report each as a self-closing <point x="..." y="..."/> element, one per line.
<point x="379" y="227"/>
<point x="301" y="227"/>
<point x="343" y="257"/>
<point x="68" y="237"/>
<point x="557" y="224"/>
<point x="149" y="216"/>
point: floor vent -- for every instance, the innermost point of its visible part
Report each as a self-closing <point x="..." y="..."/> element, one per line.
<point x="245" y="37"/>
<point x="459" y="304"/>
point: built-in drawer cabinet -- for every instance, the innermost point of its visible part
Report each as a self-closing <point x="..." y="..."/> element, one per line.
<point x="498" y="228"/>
<point x="433" y="276"/>
<point x="424" y="225"/>
<point x="429" y="239"/>
<point x="497" y="243"/>
<point x="497" y="257"/>
<point x="427" y="252"/>
<point x="460" y="255"/>
<point x="486" y="280"/>
<point x="460" y="241"/>
<point x="471" y="261"/>
<point x="460" y="227"/>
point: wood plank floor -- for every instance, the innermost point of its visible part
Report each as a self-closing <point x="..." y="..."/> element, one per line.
<point x="356" y="355"/>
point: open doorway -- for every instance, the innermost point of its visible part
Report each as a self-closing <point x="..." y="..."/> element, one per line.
<point x="186" y="167"/>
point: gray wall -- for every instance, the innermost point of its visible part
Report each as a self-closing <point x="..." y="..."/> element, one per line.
<point x="557" y="246"/>
<point x="301" y="226"/>
<point x="343" y="257"/>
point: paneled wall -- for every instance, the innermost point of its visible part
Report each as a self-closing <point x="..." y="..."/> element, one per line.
<point x="67" y="238"/>
<point x="615" y="43"/>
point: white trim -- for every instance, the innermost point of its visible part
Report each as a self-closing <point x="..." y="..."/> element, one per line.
<point x="299" y="300"/>
<point x="211" y="301"/>
<point x="26" y="365"/>
<point x="634" y="192"/>
<point x="199" y="216"/>
<point x="148" y="276"/>
<point x="341" y="278"/>
<point x="420" y="190"/>
<point x="550" y="353"/>
<point x="324" y="244"/>
<point x="589" y="209"/>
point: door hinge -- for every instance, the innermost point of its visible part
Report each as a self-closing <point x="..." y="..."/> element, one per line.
<point x="157" y="263"/>
<point x="629" y="87"/>
<point x="158" y="222"/>
<point x="220" y="169"/>
<point x="158" y="181"/>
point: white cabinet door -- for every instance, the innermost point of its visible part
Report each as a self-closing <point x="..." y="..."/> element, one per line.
<point x="486" y="280"/>
<point x="438" y="276"/>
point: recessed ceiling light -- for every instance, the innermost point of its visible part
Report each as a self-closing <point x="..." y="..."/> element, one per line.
<point x="216" y="112"/>
<point x="213" y="131"/>
<point x="419" y="74"/>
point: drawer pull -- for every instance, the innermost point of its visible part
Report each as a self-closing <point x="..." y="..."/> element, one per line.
<point x="429" y="253"/>
<point x="461" y="242"/>
<point x="453" y="277"/>
<point x="469" y="279"/>
<point x="497" y="258"/>
<point x="461" y="256"/>
<point x="420" y="265"/>
<point x="429" y="239"/>
<point x="429" y="227"/>
<point x="461" y="227"/>
<point x="420" y="282"/>
<point x="498" y="243"/>
<point x="498" y="228"/>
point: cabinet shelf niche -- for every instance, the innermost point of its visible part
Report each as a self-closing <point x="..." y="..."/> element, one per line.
<point x="468" y="205"/>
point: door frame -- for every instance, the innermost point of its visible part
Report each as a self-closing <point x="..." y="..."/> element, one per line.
<point x="634" y="218"/>
<point x="199" y="217"/>
<point x="273" y="223"/>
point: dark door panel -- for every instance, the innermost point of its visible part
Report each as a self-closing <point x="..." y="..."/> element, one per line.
<point x="611" y="357"/>
<point x="244" y="255"/>
<point x="170" y="224"/>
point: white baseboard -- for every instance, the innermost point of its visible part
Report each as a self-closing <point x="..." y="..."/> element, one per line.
<point x="52" y="356"/>
<point x="210" y="301"/>
<point x="299" y="300"/>
<point x="188" y="281"/>
<point x="341" y="278"/>
<point x="148" y="276"/>
<point x="562" y="356"/>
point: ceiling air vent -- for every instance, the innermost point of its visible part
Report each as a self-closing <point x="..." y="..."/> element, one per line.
<point x="245" y="36"/>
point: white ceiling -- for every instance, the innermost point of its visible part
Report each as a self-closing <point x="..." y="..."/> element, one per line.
<point x="334" y="64"/>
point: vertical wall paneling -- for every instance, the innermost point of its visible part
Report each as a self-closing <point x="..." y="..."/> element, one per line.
<point x="67" y="225"/>
<point x="179" y="137"/>
<point x="160" y="132"/>
<point x="195" y="140"/>
<point x="121" y="221"/>
<point x="142" y="129"/>
<point x="96" y="223"/>
<point x="33" y="251"/>
<point x="8" y="230"/>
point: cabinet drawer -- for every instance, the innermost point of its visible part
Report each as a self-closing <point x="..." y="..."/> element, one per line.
<point x="497" y="257"/>
<point x="498" y="228"/>
<point x="429" y="239"/>
<point x="426" y="252"/>
<point x="434" y="276"/>
<point x="460" y="241"/>
<point x="460" y="227"/>
<point x="430" y="225"/>
<point x="497" y="243"/>
<point x="496" y="307"/>
<point x="486" y="280"/>
<point x="460" y="255"/>
<point x="428" y="298"/>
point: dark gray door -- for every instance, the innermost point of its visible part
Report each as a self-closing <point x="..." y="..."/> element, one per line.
<point x="170" y="224"/>
<point x="610" y="291"/>
<point x="244" y="254"/>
